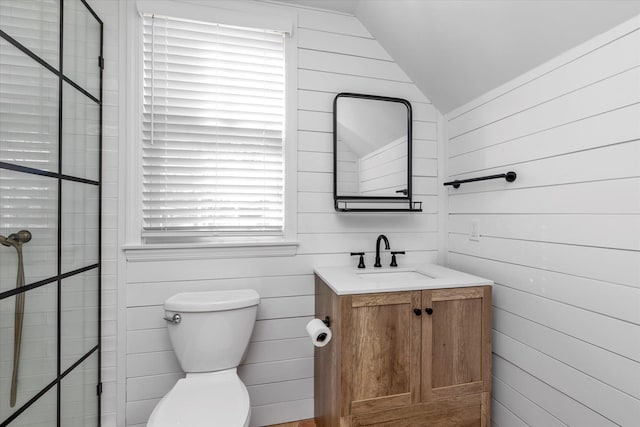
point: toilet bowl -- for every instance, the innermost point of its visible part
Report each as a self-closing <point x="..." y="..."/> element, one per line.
<point x="211" y="399"/>
<point x="209" y="332"/>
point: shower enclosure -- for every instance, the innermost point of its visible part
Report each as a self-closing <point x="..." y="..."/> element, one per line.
<point x="50" y="173"/>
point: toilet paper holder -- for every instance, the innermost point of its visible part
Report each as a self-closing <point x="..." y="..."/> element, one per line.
<point x="327" y="322"/>
<point x="319" y="331"/>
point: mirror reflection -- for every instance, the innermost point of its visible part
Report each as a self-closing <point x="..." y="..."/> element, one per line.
<point x="372" y="146"/>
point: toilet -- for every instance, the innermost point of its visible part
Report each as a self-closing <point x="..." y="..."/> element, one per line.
<point x="209" y="332"/>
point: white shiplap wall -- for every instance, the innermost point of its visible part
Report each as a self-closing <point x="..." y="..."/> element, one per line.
<point x="562" y="242"/>
<point x="335" y="54"/>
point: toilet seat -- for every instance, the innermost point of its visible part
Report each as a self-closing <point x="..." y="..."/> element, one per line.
<point x="204" y="400"/>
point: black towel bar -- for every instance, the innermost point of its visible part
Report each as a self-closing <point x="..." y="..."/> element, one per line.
<point x="509" y="176"/>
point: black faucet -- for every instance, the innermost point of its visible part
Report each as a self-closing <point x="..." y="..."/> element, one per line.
<point x="386" y="246"/>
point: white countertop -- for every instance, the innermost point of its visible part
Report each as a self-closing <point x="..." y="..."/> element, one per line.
<point x="352" y="280"/>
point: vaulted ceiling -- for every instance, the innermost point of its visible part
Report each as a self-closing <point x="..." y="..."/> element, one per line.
<point x="456" y="50"/>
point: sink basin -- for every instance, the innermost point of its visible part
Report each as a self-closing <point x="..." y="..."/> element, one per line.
<point x="348" y="280"/>
<point x="393" y="276"/>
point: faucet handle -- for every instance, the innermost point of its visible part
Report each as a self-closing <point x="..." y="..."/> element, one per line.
<point x="393" y="258"/>
<point x="361" y="263"/>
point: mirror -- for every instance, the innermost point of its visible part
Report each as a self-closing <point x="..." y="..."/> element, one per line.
<point x="372" y="149"/>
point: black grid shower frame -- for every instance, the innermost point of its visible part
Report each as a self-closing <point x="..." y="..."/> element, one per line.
<point x="62" y="177"/>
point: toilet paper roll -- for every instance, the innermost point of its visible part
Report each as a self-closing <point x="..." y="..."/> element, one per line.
<point x="319" y="332"/>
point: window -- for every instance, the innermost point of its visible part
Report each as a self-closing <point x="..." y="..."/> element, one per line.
<point x="213" y="129"/>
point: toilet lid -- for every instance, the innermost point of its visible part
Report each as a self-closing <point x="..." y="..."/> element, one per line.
<point x="204" y="400"/>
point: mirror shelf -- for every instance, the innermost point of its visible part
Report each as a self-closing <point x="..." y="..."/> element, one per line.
<point x="385" y="206"/>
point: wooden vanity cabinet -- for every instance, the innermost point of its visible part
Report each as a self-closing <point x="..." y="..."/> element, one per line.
<point x="390" y="365"/>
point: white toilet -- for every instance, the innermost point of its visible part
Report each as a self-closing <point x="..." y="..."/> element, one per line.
<point x="209" y="332"/>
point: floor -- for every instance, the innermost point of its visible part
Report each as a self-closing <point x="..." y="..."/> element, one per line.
<point x="303" y="423"/>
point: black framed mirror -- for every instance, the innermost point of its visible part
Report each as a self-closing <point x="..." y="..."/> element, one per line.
<point x="372" y="153"/>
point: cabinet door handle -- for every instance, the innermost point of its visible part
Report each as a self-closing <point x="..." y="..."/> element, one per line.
<point x="429" y="311"/>
<point x="417" y="311"/>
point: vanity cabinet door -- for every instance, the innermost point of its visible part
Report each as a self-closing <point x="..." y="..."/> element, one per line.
<point x="380" y="352"/>
<point x="456" y="339"/>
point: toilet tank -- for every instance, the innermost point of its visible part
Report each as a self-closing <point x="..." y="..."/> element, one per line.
<point x="214" y="327"/>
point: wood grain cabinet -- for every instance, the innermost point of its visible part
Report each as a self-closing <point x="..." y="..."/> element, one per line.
<point x="411" y="358"/>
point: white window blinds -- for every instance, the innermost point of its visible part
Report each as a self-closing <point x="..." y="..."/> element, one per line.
<point x="213" y="128"/>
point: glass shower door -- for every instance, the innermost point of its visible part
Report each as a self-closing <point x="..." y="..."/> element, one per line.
<point x="50" y="172"/>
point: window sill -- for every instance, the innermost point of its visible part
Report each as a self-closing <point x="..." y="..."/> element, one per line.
<point x="190" y="251"/>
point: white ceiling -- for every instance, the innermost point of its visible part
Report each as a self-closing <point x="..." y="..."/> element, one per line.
<point x="456" y="50"/>
<point x="344" y="6"/>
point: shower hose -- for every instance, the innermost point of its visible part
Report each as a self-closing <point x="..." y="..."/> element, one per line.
<point x="17" y="240"/>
